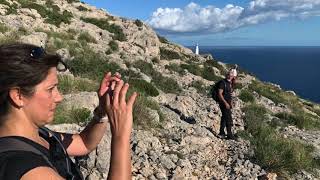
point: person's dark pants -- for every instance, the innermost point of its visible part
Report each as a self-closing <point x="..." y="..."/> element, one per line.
<point x="226" y="120"/>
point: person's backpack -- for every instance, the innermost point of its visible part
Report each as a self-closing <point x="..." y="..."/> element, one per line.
<point x="57" y="151"/>
<point x="215" y="90"/>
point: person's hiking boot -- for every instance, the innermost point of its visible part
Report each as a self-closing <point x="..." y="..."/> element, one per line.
<point x="222" y="135"/>
<point x="232" y="137"/>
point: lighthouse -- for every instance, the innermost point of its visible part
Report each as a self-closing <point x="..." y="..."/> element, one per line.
<point x="197" y="49"/>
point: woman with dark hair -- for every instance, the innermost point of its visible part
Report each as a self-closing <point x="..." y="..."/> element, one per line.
<point x="28" y="99"/>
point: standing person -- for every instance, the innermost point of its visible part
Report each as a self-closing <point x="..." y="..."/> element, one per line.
<point x="225" y="88"/>
<point x="28" y="99"/>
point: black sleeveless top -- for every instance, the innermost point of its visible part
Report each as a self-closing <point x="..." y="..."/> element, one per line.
<point x="14" y="164"/>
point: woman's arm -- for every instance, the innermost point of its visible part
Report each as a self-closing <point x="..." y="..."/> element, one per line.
<point x="120" y="115"/>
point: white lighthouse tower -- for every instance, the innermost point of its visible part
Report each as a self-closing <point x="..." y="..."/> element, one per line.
<point x="197" y="49"/>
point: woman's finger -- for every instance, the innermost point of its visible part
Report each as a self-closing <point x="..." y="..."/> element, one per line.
<point x="123" y="92"/>
<point x="131" y="101"/>
<point x="116" y="93"/>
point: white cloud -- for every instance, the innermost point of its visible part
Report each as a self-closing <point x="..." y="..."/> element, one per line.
<point x="210" y="19"/>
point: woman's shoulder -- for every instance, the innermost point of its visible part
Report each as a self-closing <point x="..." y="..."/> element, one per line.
<point x="19" y="162"/>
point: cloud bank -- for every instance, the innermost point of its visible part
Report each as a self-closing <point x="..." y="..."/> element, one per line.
<point x="194" y="19"/>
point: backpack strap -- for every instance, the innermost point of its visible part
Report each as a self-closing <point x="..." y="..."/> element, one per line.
<point x="57" y="137"/>
<point x="13" y="144"/>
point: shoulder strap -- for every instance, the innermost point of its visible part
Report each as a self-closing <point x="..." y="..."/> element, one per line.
<point x="13" y="144"/>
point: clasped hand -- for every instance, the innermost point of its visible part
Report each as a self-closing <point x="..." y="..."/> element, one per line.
<point x="112" y="102"/>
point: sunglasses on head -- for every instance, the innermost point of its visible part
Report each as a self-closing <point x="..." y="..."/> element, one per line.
<point x="37" y="52"/>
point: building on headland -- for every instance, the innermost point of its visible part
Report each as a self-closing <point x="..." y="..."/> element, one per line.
<point x="197" y="49"/>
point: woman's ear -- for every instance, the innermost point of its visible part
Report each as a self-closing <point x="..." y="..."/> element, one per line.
<point x="16" y="97"/>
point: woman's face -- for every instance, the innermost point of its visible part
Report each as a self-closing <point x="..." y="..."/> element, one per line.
<point x="41" y="106"/>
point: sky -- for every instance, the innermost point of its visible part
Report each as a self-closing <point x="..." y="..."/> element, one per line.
<point x="225" y="22"/>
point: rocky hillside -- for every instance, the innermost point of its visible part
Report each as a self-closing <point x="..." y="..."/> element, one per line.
<point x="278" y="132"/>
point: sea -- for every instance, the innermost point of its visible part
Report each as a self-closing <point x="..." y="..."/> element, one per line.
<point x="293" y="68"/>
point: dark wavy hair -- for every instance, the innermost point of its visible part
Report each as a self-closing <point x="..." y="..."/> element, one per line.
<point x="19" y="68"/>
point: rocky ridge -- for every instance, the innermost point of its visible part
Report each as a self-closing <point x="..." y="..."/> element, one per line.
<point x="177" y="150"/>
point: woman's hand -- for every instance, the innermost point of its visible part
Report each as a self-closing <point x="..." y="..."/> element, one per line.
<point x="105" y="86"/>
<point x="119" y="111"/>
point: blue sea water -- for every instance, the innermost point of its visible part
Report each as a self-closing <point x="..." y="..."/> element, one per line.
<point x="293" y="68"/>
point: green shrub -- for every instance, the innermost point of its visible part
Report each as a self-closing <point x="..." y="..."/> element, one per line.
<point x="86" y="37"/>
<point x="82" y="8"/>
<point x="138" y="23"/>
<point x="272" y="152"/>
<point x="57" y="18"/>
<point x="73" y="115"/>
<point x="166" y="84"/>
<point x="246" y="96"/>
<point x="73" y="1"/>
<point x="162" y="39"/>
<point x="12" y="37"/>
<point x="113" y="46"/>
<point x="69" y="85"/>
<point x="144" y="67"/>
<point x="52" y="16"/>
<point x="104" y="24"/>
<point x="169" y="54"/>
<point x="213" y="63"/>
<point x="176" y="68"/>
<point x="192" y="68"/>
<point x="141" y="116"/>
<point x="4" y="2"/>
<point x="155" y="60"/>
<point x="300" y="119"/>
<point x="200" y="87"/>
<point x="91" y="65"/>
<point x="267" y="91"/>
<point x="209" y="74"/>
<point x="3" y="28"/>
<point x="143" y="87"/>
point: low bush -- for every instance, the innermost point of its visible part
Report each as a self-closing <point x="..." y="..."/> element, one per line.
<point x="104" y="24"/>
<point x="12" y="37"/>
<point x="246" y="96"/>
<point x="162" y="39"/>
<point x="69" y="85"/>
<point x="272" y="152"/>
<point x="82" y="8"/>
<point x="169" y="54"/>
<point x="213" y="63"/>
<point x="73" y="1"/>
<point x="138" y="23"/>
<point x="268" y="91"/>
<point x="155" y="60"/>
<point x="176" y="68"/>
<point x="86" y="37"/>
<point x="73" y="115"/>
<point x="206" y="72"/>
<point x="3" y="28"/>
<point x="192" y="68"/>
<point x="89" y="64"/>
<point x="51" y="15"/>
<point x="300" y="119"/>
<point x="144" y="67"/>
<point x="143" y="87"/>
<point x="209" y="74"/>
<point x="166" y="84"/>
<point x="141" y="115"/>
<point x="200" y="87"/>
<point x="114" y="46"/>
